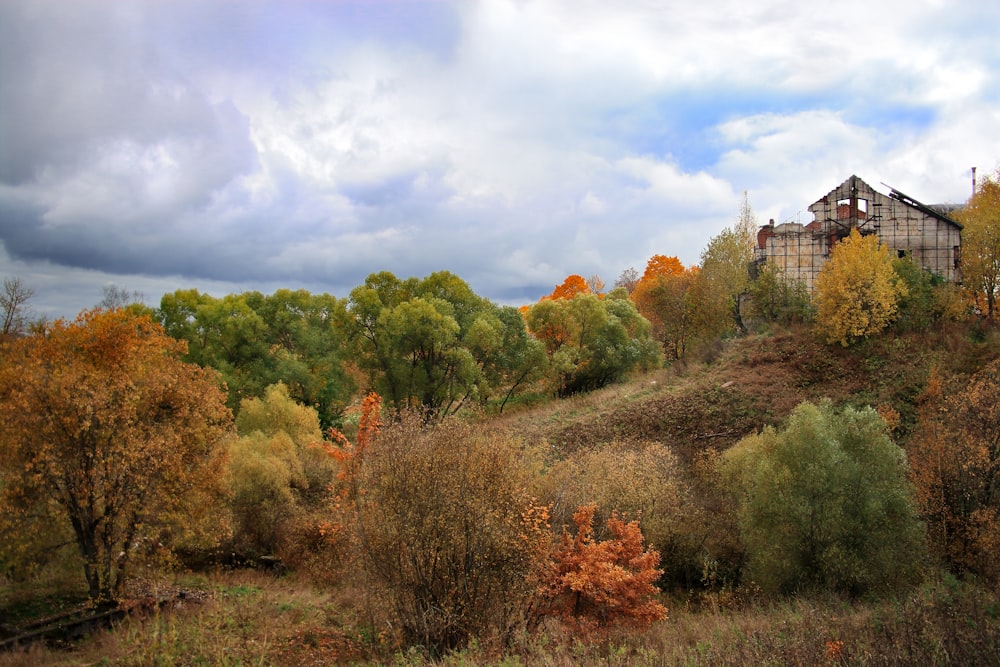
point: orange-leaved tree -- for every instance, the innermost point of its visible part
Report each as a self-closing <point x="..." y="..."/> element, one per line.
<point x="660" y="266"/>
<point x="663" y="296"/>
<point x="106" y="429"/>
<point x="569" y="288"/>
<point x="592" y="585"/>
<point x="350" y="456"/>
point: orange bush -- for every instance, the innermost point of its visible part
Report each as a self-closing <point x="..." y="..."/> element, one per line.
<point x="591" y="585"/>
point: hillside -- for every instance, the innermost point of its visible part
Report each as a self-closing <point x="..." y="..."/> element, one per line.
<point x="747" y="383"/>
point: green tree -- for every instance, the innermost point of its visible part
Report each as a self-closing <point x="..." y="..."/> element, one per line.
<point x="434" y="343"/>
<point x="306" y="349"/>
<point x="981" y="244"/>
<point x="928" y="299"/>
<point x="106" y="429"/>
<point x="508" y="356"/>
<point x="292" y="337"/>
<point x="592" y="342"/>
<point x="858" y="290"/>
<point x="776" y="298"/>
<point x="724" y="275"/>
<point x="825" y="503"/>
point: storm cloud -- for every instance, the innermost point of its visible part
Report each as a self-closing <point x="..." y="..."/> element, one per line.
<point x="231" y="146"/>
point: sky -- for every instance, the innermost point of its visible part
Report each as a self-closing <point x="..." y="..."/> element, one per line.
<point x="228" y="145"/>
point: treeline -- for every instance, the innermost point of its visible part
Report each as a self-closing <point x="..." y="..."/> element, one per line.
<point x="429" y="343"/>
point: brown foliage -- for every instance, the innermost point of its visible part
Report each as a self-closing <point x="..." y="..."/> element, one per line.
<point x="444" y="527"/>
<point x="591" y="585"/>
<point x="105" y="428"/>
<point x="955" y="466"/>
<point x="636" y="479"/>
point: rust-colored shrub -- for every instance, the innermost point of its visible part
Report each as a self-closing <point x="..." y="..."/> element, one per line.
<point x="592" y="585"/>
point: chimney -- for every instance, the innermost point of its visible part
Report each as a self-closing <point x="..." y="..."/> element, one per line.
<point x="973" y="181"/>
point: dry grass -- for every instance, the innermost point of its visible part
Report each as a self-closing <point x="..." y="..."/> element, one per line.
<point x="230" y="618"/>
<point x="250" y="618"/>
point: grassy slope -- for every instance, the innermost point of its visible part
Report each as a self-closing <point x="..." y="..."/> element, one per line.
<point x="753" y="382"/>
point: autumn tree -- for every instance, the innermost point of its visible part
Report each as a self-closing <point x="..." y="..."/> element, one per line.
<point x="824" y="502"/>
<point x="13" y="306"/>
<point x="981" y="244"/>
<point x="595" y="284"/>
<point x="106" y="429"/>
<point x="657" y="268"/>
<point x="628" y="279"/>
<point x="955" y="464"/>
<point x="858" y="290"/>
<point x="724" y="275"/>
<point x="661" y="295"/>
<point x="114" y="296"/>
<point x="278" y="472"/>
<point x="668" y="302"/>
<point x="591" y="342"/>
<point x="569" y="288"/>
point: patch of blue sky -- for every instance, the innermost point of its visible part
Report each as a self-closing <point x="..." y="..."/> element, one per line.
<point x="683" y="126"/>
<point x="876" y="114"/>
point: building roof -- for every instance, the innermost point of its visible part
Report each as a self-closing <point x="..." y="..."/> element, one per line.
<point x="923" y="208"/>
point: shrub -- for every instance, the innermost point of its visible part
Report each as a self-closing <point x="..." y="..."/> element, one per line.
<point x="447" y="529"/>
<point x="955" y="457"/>
<point x="636" y="480"/>
<point x="279" y="473"/>
<point x="825" y="503"/>
<point x="593" y="584"/>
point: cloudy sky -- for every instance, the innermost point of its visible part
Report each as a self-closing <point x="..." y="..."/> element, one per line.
<point x="227" y="146"/>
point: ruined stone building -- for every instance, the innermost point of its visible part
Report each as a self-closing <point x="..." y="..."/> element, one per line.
<point x="901" y="223"/>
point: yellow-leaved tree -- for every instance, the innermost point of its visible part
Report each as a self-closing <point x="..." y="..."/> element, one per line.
<point x="106" y="432"/>
<point x="858" y="290"/>
<point x="981" y="245"/>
